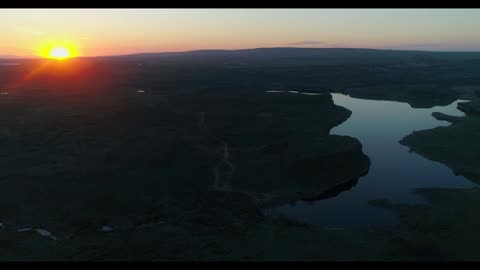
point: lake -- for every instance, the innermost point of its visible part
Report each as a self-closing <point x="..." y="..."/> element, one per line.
<point x="395" y="172"/>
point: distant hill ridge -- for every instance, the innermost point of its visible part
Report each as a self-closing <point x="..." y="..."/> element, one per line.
<point x="273" y="51"/>
<point x="290" y="52"/>
<point x="304" y="52"/>
<point x="8" y="56"/>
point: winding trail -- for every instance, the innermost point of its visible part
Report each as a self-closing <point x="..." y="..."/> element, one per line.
<point x="223" y="171"/>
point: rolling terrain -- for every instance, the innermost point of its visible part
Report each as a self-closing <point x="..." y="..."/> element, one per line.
<point x="176" y="155"/>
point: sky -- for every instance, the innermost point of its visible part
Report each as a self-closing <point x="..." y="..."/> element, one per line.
<point x="94" y="32"/>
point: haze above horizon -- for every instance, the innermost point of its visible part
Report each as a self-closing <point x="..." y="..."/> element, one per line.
<point x="103" y="32"/>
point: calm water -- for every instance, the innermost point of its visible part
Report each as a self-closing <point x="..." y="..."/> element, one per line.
<point x="395" y="171"/>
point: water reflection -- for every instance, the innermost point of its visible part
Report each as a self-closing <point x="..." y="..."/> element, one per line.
<point x="395" y="171"/>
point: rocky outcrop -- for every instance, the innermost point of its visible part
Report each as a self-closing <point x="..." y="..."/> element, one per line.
<point x="470" y="108"/>
<point x="446" y="117"/>
<point x="301" y="169"/>
<point x="456" y="145"/>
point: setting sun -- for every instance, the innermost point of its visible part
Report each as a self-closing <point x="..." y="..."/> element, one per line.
<point x="59" y="53"/>
<point x="57" y="49"/>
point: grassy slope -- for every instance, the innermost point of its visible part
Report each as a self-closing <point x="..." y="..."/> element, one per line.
<point x="444" y="229"/>
<point x="81" y="155"/>
<point x="456" y="145"/>
<point x="128" y="186"/>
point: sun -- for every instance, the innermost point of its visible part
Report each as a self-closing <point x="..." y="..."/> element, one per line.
<point x="60" y="52"/>
<point x="57" y="49"/>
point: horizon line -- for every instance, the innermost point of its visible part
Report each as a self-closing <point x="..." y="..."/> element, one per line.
<point x="16" y="57"/>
